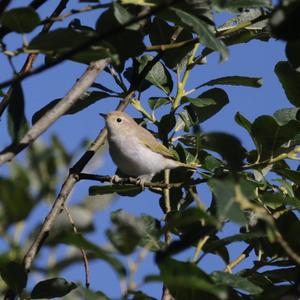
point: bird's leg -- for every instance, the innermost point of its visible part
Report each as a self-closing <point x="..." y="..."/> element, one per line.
<point x="115" y="179"/>
<point x="144" y="178"/>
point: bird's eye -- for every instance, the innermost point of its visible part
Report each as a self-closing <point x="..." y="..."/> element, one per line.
<point x="119" y="120"/>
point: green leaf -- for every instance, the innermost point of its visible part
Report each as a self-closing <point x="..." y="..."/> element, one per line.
<point x="85" y="100"/>
<point x="292" y="51"/>
<point x="201" y="114"/>
<point x="161" y="34"/>
<point x="158" y="75"/>
<point x="275" y="200"/>
<point x="156" y="102"/>
<point x="199" y="102"/>
<point x="269" y="135"/>
<point x="184" y="278"/>
<point x="285" y="115"/>
<point x="17" y="123"/>
<point x="21" y="19"/>
<point x="236" y="80"/>
<point x="123" y="16"/>
<point x="52" y="288"/>
<point x="109" y="189"/>
<point x="205" y="35"/>
<point x="80" y="242"/>
<point x="14" y="275"/>
<point x="228" y="146"/>
<point x="126" y="233"/>
<point x="237" y="282"/>
<point x="226" y="200"/>
<point x="236" y="6"/>
<point x="242" y="121"/>
<point x="62" y="40"/>
<point x="138" y="295"/>
<point x="290" y="81"/>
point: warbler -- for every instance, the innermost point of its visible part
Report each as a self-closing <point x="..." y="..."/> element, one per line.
<point x="135" y="151"/>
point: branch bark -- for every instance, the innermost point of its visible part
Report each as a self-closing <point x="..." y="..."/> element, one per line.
<point x="58" y="110"/>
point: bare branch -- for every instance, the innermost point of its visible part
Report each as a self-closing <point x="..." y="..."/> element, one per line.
<point x="58" y="110"/>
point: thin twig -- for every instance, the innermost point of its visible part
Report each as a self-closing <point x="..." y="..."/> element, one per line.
<point x="32" y="57"/>
<point x="89" y="42"/>
<point x="199" y="247"/>
<point x="84" y="256"/>
<point x="58" y="110"/>
<point x="238" y="260"/>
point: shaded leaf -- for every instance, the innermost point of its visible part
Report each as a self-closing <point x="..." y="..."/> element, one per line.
<point x="236" y="80"/>
<point x="156" y="102"/>
<point x="52" y="288"/>
<point x="290" y="81"/>
<point x="14" y="275"/>
<point x="109" y="189"/>
<point x="85" y="100"/>
<point x="292" y="51"/>
<point x="21" y="19"/>
<point x="236" y="282"/>
<point x="123" y="15"/>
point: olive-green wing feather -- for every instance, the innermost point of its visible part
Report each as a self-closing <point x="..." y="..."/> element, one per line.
<point x="149" y="141"/>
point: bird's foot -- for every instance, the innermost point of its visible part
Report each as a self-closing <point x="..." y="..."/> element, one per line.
<point x="115" y="179"/>
<point x="141" y="180"/>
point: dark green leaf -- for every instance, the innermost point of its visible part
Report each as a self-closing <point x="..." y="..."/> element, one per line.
<point x="236" y="80"/>
<point x="17" y="123"/>
<point x="205" y="35"/>
<point x="21" y="19"/>
<point x="276" y="200"/>
<point x="226" y="199"/>
<point x="158" y="75"/>
<point x="85" y="100"/>
<point x="52" y="288"/>
<point x="287" y="173"/>
<point x="228" y="146"/>
<point x="284" y="115"/>
<point x="62" y="40"/>
<point x="236" y="282"/>
<point x="269" y="135"/>
<point x="109" y="189"/>
<point x="199" y="102"/>
<point x="92" y="295"/>
<point x="14" y="275"/>
<point x="127" y="232"/>
<point x="123" y="38"/>
<point x="138" y="295"/>
<point x="186" y="277"/>
<point x="290" y="81"/>
<point x="123" y="16"/>
<point x="236" y="6"/>
<point x="292" y="51"/>
<point x="201" y="114"/>
<point x="242" y="121"/>
<point x="161" y="33"/>
<point x="80" y="242"/>
<point x="156" y="102"/>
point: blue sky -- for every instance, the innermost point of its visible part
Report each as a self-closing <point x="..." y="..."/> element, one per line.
<point x="256" y="59"/>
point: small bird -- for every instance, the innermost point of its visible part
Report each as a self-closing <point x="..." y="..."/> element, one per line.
<point x="135" y="150"/>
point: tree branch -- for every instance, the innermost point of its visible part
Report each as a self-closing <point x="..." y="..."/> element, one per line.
<point x="88" y="43"/>
<point x="58" y="110"/>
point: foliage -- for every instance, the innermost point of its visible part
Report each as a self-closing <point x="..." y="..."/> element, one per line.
<point x="256" y="189"/>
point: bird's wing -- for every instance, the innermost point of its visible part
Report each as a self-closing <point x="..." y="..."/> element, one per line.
<point x="149" y="141"/>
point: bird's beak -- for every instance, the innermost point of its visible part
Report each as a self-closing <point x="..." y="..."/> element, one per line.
<point x="104" y="116"/>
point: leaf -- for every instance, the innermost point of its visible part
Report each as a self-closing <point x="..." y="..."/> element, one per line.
<point x="275" y="200"/>
<point x="84" y="101"/>
<point x="201" y="114"/>
<point x="79" y="241"/>
<point x="269" y="135"/>
<point x="242" y="121"/>
<point x="205" y="35"/>
<point x="228" y="146"/>
<point x="236" y="80"/>
<point x="186" y="277"/>
<point x="14" y="275"/>
<point x="156" y="102"/>
<point x="126" y="233"/>
<point x="237" y="282"/>
<point x="21" y="19"/>
<point x="199" y="102"/>
<point x="62" y="40"/>
<point x="109" y="189"/>
<point x="123" y="16"/>
<point x="236" y="6"/>
<point x="292" y="51"/>
<point x="52" y="288"/>
<point x="227" y="205"/>
<point x="17" y="123"/>
<point x="158" y="75"/>
<point x="285" y="115"/>
<point x="161" y="34"/>
<point x="290" y="81"/>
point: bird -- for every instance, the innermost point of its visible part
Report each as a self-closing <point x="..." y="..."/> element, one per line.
<point x="135" y="151"/>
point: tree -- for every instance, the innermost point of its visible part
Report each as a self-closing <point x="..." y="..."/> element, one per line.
<point x="151" y="48"/>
